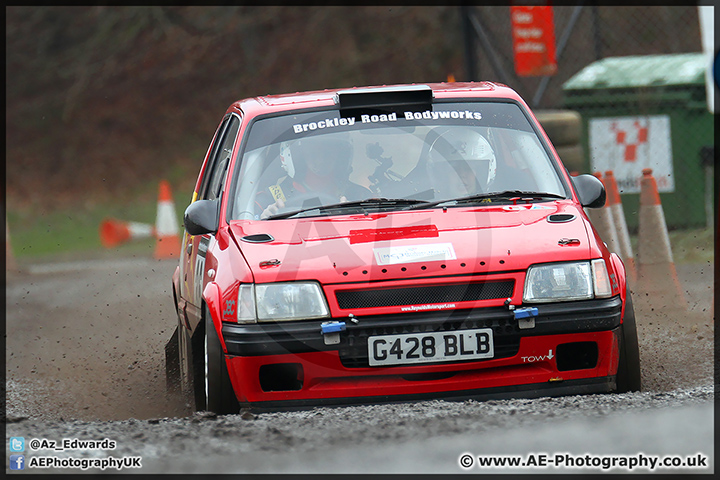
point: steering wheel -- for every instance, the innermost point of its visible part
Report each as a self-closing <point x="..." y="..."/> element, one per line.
<point x="296" y="202"/>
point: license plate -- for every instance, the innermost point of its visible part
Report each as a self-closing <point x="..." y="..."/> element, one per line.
<point x="430" y="347"/>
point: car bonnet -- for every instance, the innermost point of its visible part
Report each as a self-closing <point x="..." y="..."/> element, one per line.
<point x="397" y="245"/>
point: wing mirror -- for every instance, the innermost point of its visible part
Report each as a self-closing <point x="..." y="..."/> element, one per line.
<point x="590" y="190"/>
<point x="202" y="216"/>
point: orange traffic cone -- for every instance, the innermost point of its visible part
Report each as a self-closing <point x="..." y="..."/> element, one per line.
<point x="115" y="232"/>
<point x="614" y="203"/>
<point x="166" y="225"/>
<point x="602" y="220"/>
<point x="657" y="277"/>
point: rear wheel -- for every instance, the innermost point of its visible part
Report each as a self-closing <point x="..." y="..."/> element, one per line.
<point x="628" y="375"/>
<point x="213" y="390"/>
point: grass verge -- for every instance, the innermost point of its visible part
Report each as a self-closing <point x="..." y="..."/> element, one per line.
<point x="39" y="236"/>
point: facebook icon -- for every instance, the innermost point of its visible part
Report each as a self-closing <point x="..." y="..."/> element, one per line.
<point x="17" y="462"/>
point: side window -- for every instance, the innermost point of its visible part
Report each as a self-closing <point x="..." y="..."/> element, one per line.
<point x="207" y="172"/>
<point x="217" y="164"/>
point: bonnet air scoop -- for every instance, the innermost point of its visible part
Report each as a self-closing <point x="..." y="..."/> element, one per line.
<point x="409" y="97"/>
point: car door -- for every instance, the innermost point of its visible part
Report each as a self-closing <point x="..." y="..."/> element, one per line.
<point x="195" y="247"/>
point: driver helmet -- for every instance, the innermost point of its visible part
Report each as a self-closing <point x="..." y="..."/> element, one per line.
<point x="319" y="154"/>
<point x="464" y="148"/>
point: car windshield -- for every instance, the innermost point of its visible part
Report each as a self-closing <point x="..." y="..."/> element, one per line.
<point x="321" y="162"/>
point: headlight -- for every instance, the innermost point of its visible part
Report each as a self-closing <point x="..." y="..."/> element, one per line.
<point x="274" y="302"/>
<point x="558" y="282"/>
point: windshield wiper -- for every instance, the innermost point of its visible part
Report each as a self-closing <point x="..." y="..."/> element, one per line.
<point x="361" y="205"/>
<point x="507" y="194"/>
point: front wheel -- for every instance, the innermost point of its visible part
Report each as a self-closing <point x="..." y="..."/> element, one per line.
<point x="216" y="393"/>
<point x="628" y="374"/>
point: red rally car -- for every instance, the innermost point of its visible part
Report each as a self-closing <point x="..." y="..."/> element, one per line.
<point x="394" y="243"/>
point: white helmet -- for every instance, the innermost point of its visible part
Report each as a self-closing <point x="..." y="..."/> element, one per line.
<point x="469" y="146"/>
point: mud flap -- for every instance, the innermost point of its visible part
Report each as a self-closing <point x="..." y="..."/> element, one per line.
<point x="172" y="363"/>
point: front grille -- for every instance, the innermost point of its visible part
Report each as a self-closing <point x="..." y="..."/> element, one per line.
<point x="391" y="297"/>
<point x="506" y="336"/>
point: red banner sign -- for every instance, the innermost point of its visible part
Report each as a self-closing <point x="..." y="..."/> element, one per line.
<point x="533" y="32"/>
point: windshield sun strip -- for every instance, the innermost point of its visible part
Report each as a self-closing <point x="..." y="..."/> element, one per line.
<point x="421" y="203"/>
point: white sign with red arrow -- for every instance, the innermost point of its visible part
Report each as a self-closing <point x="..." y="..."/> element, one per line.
<point x="627" y="145"/>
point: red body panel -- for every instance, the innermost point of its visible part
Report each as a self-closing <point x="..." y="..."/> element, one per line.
<point x="325" y="377"/>
<point x="490" y="242"/>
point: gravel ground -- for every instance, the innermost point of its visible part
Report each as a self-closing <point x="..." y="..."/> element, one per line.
<point x="422" y="437"/>
<point x="84" y="359"/>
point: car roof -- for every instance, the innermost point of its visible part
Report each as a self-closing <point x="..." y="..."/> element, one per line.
<point x="327" y="98"/>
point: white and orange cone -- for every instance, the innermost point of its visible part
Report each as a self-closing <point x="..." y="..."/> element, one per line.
<point x="614" y="203"/>
<point x="115" y="232"/>
<point x="657" y="277"/>
<point x="166" y="225"/>
<point x="602" y="220"/>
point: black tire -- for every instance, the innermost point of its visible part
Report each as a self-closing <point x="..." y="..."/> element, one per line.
<point x="628" y="375"/>
<point x="213" y="390"/>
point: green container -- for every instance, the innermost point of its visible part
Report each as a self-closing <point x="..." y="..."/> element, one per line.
<point x="648" y="112"/>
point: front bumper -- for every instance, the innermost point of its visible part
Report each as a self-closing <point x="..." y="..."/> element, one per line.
<point x="572" y="348"/>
